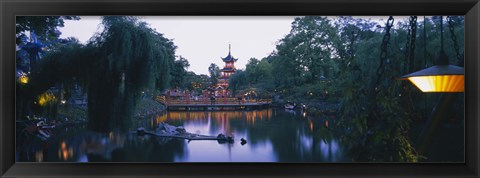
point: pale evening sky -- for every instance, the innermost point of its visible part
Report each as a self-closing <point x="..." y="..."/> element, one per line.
<point x="202" y="40"/>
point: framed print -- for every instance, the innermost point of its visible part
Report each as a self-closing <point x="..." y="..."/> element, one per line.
<point x="230" y="89"/>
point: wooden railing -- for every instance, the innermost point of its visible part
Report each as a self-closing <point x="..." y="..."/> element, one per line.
<point x="208" y="101"/>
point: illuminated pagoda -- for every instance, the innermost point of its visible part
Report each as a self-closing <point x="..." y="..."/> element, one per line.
<point x="228" y="70"/>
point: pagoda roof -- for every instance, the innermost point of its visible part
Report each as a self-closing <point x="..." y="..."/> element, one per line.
<point x="229" y="56"/>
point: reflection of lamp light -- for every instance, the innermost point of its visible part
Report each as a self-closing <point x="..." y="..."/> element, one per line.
<point x="441" y="77"/>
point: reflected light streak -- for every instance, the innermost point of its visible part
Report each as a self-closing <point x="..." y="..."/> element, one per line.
<point x="222" y="118"/>
<point x="39" y="156"/>
<point x="64" y="152"/>
<point x="311" y="125"/>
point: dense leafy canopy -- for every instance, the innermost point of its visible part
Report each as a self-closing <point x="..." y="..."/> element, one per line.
<point x="46" y="27"/>
<point x="128" y="57"/>
<point x="336" y="60"/>
<point x="214" y="72"/>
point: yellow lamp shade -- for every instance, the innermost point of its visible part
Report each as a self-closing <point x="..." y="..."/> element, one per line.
<point x="23" y="79"/>
<point x="439" y="78"/>
<point x="439" y="83"/>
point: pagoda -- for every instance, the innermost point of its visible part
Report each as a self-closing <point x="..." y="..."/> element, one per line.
<point x="228" y="70"/>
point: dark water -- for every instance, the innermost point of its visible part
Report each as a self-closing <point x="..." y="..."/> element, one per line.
<point x="272" y="136"/>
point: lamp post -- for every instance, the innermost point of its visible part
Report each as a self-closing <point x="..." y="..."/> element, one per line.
<point x="442" y="77"/>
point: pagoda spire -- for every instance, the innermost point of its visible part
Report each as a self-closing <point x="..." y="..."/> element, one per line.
<point x="229" y="57"/>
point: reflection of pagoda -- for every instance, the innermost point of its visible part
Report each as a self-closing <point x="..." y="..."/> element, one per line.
<point x="228" y="70"/>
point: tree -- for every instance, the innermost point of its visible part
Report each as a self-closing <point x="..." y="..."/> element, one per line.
<point x="251" y="70"/>
<point x="126" y="58"/>
<point x="64" y="65"/>
<point x="130" y="57"/>
<point x="45" y="27"/>
<point x="179" y="72"/>
<point x="237" y="81"/>
<point x="341" y="56"/>
<point x="257" y="74"/>
<point x="214" y="72"/>
<point x="372" y="116"/>
<point x="43" y="32"/>
<point x="194" y="82"/>
<point x="306" y="53"/>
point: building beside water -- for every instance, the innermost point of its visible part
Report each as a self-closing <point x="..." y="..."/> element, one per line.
<point x="228" y="70"/>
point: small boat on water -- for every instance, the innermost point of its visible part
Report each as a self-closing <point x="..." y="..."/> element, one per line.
<point x="44" y="130"/>
<point x="43" y="125"/>
<point x="39" y="129"/>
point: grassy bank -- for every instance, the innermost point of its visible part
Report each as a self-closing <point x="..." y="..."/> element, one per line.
<point x="147" y="106"/>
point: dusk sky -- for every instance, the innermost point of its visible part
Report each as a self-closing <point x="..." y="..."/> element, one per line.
<point x="202" y="40"/>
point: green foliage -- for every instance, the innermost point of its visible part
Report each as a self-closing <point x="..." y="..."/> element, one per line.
<point x="73" y="113"/>
<point x="128" y="57"/>
<point x="258" y="75"/>
<point x="214" y="72"/>
<point x="68" y="60"/>
<point x="320" y="55"/>
<point x="148" y="105"/>
<point x="340" y="57"/>
<point x="377" y="119"/>
<point x="178" y="72"/>
<point x="374" y="121"/>
<point x="194" y="82"/>
<point x="307" y="53"/>
<point x="237" y="81"/>
<point x="46" y="27"/>
<point x="258" y="71"/>
<point x="131" y="58"/>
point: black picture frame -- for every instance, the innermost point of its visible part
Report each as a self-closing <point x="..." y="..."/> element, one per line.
<point x="11" y="8"/>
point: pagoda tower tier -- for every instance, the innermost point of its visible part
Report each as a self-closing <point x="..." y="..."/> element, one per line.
<point x="228" y="70"/>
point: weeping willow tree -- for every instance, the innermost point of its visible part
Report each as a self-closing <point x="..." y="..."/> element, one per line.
<point x="120" y="62"/>
<point x="130" y="57"/>
<point x="373" y="115"/>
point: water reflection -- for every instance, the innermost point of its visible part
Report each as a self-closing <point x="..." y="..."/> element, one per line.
<point x="272" y="136"/>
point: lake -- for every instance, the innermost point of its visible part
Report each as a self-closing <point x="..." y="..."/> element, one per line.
<point x="273" y="135"/>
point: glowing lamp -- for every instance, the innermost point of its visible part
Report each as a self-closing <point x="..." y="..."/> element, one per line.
<point x="442" y="77"/>
<point x="438" y="78"/>
<point x="23" y="79"/>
